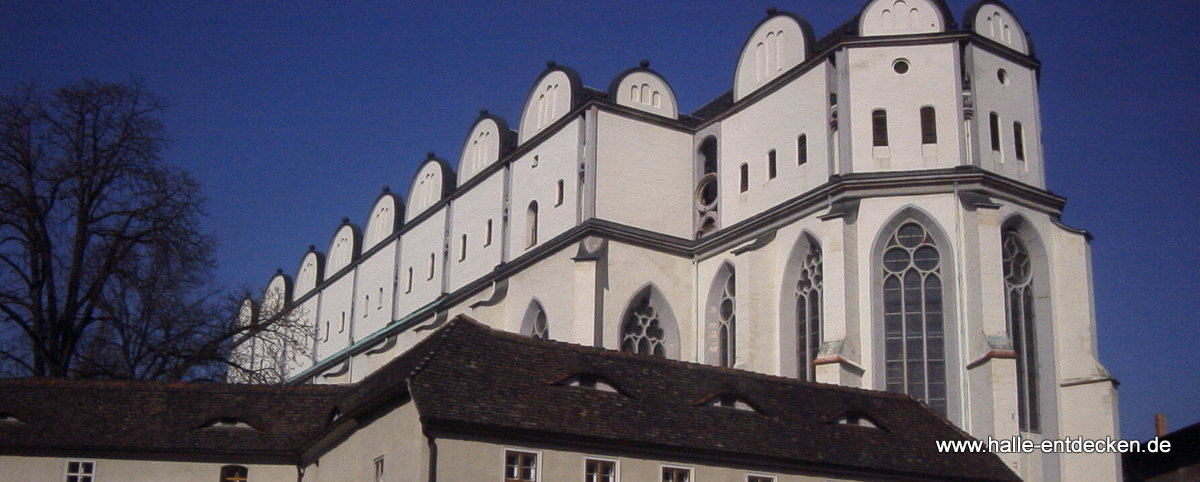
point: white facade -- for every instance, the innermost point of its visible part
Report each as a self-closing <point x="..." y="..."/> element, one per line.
<point x="600" y="214"/>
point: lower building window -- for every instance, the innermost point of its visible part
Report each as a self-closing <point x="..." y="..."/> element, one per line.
<point x="234" y="473"/>
<point x="519" y="466"/>
<point x="78" y="471"/>
<point x="379" y="469"/>
<point x="600" y="471"/>
<point x="676" y="474"/>
<point x="759" y="478"/>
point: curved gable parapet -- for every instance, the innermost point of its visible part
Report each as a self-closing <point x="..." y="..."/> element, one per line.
<point x="904" y="17"/>
<point x="311" y="272"/>
<point x="489" y="140"/>
<point x="994" y="20"/>
<point x="554" y="93"/>
<point x="433" y="181"/>
<point x="277" y="295"/>
<point x="385" y="218"/>
<point x="345" y="247"/>
<point x="643" y="89"/>
<point x="781" y="41"/>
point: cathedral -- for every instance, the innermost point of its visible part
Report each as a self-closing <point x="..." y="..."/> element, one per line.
<point x="866" y="210"/>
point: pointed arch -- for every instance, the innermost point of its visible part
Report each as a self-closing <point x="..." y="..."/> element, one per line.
<point x="648" y="325"/>
<point x="720" y="318"/>
<point x="1028" y="316"/>
<point x="535" y="322"/>
<point x="801" y="308"/>
<point x="916" y="336"/>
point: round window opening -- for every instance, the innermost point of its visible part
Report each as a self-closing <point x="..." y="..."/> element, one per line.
<point x="900" y="66"/>
<point x="1002" y="76"/>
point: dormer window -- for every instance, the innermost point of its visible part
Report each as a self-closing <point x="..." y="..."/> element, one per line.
<point x="8" y="418"/>
<point x="587" y="380"/>
<point x="855" y="418"/>
<point x="228" y="423"/>
<point x="728" y="400"/>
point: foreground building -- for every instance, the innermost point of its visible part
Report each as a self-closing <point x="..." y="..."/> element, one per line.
<point x="457" y="408"/>
<point x="867" y="209"/>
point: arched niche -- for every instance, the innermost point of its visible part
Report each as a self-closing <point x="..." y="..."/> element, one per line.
<point x="648" y="320"/>
<point x="385" y="218"/>
<point x="904" y="17"/>
<point x="344" y="248"/>
<point x="994" y="20"/>
<point x="277" y="295"/>
<point x="779" y="42"/>
<point x="311" y="272"/>
<point x="643" y="89"/>
<point x="488" y="141"/>
<point x="554" y="93"/>
<point x="432" y="183"/>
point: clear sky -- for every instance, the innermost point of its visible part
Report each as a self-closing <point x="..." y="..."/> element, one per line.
<point x="295" y="114"/>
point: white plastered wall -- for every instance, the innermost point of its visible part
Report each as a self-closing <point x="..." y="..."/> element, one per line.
<point x="998" y="24"/>
<point x="931" y="80"/>
<point x="396" y="437"/>
<point x="1013" y="101"/>
<point x="53" y="469"/>
<point x="639" y="165"/>
<point x="774" y="122"/>
<point x="337" y="300"/>
<point x="535" y="177"/>
<point x="548" y="101"/>
<point x="416" y="246"/>
<point x="374" y="289"/>
<point x="558" y="300"/>
<point x="472" y="211"/>
<point x="630" y="269"/>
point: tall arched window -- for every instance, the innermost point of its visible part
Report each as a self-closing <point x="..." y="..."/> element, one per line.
<point x="1018" y="297"/>
<point x="722" y="318"/>
<point x="928" y="125"/>
<point x="531" y="225"/>
<point x="914" y="335"/>
<point x="808" y="311"/>
<point x="642" y="331"/>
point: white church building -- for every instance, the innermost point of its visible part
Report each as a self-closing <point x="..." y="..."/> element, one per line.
<point x="867" y="209"/>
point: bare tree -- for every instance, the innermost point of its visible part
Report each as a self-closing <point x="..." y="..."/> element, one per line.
<point x="104" y="270"/>
<point x="275" y="343"/>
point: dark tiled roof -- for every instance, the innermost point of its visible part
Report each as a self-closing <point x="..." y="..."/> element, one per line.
<point x="132" y="417"/>
<point x="468" y="378"/>
<point x="482" y="378"/>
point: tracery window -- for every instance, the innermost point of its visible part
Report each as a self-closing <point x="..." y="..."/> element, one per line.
<point x="642" y="332"/>
<point x="541" y="329"/>
<point x="727" y="322"/>
<point x="808" y="311"/>
<point x="914" y="337"/>
<point x="1018" y="297"/>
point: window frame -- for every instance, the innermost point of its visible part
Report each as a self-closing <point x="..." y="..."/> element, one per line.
<point x="663" y="468"/>
<point x="379" y="465"/>
<point x="537" y="463"/>
<point x="879" y="128"/>
<point x="79" y="476"/>
<point x="616" y="465"/>
<point x="234" y="478"/>
<point x="928" y="125"/>
<point x="752" y="477"/>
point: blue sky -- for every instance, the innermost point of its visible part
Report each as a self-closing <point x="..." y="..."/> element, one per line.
<point x="293" y="115"/>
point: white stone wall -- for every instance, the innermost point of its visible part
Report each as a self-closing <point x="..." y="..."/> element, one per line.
<point x="1014" y="100"/>
<point x="535" y="176"/>
<point x="474" y="214"/>
<point x="643" y="175"/>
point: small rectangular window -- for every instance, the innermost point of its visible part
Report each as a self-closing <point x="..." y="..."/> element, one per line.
<point x="431" y="263"/>
<point x="801" y="150"/>
<point x="410" y="280"/>
<point x="558" y="198"/>
<point x="879" y="130"/>
<point x="928" y="125"/>
<point x="80" y="471"/>
<point x="1019" y="140"/>
<point x="234" y="473"/>
<point x="520" y="466"/>
<point x="343" y="328"/>
<point x="745" y="177"/>
<point x="462" y="251"/>
<point x="366" y="304"/>
<point x="772" y="171"/>
<point x="994" y="119"/>
<point x="600" y="471"/>
<point x="487" y="235"/>
<point x="326" y="330"/>
<point x="676" y="474"/>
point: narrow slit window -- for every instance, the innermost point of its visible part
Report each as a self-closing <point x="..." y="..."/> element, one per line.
<point x="801" y="149"/>
<point x="879" y="132"/>
<point x="994" y="119"/>
<point x="380" y="305"/>
<point x="487" y="236"/>
<point x="343" y="326"/>
<point x="928" y="125"/>
<point x="745" y="178"/>
<point x="326" y="330"/>
<point x="462" y="250"/>
<point x="431" y="263"/>
<point x="1019" y="140"/>
<point x="410" y="280"/>
<point x="772" y="170"/>
<point x="558" y="197"/>
<point x="531" y="225"/>
<point x="366" y="304"/>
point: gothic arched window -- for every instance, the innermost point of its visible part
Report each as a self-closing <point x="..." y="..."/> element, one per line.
<point x="914" y="335"/>
<point x="1018" y="297"/>
<point x="727" y="322"/>
<point x="808" y="311"/>
<point x="642" y="331"/>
